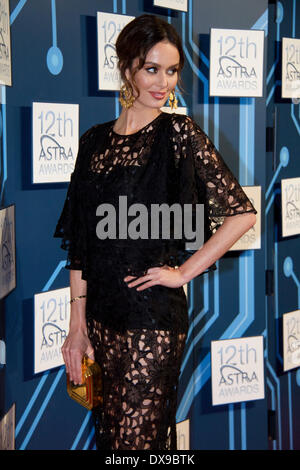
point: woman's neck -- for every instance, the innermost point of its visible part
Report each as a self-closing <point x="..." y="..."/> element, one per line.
<point x="133" y="119"/>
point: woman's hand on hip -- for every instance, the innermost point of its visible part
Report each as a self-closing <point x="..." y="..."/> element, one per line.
<point x="163" y="276"/>
<point x="76" y="345"/>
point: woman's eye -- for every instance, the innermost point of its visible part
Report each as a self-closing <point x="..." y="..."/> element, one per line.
<point x="152" y="69"/>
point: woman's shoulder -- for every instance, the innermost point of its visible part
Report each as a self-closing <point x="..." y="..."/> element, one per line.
<point x="95" y="131"/>
<point x="183" y="124"/>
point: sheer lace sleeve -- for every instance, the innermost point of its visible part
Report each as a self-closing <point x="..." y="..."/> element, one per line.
<point x="71" y="224"/>
<point x="216" y="185"/>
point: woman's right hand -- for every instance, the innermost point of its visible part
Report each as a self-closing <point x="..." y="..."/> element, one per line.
<point x="76" y="345"/>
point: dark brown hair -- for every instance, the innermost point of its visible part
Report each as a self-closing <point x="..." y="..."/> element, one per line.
<point x="138" y="37"/>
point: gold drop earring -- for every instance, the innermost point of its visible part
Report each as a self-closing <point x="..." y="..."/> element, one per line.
<point x="126" y="97"/>
<point x="173" y="100"/>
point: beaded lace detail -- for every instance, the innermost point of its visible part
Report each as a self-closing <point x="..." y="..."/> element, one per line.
<point x="125" y="150"/>
<point x="140" y="376"/>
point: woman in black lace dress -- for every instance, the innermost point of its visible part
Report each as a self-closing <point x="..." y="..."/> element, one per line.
<point x="128" y="308"/>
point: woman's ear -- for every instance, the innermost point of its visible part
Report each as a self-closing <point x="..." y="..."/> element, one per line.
<point x="128" y="74"/>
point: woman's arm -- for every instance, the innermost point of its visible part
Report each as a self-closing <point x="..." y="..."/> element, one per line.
<point x="77" y="342"/>
<point x="78" y="286"/>
<point x="232" y="229"/>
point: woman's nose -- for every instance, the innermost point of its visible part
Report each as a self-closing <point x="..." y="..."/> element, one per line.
<point x="163" y="80"/>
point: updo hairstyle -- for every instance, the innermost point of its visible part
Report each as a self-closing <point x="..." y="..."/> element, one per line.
<point x="138" y="37"/>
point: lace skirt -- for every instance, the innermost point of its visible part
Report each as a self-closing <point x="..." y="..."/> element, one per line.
<point x="141" y="369"/>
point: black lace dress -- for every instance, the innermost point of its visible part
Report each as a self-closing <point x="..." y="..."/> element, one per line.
<point x="139" y="336"/>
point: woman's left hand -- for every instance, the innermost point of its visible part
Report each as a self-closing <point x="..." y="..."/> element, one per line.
<point x="163" y="276"/>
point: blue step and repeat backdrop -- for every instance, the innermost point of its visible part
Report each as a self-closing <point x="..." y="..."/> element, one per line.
<point x="240" y="378"/>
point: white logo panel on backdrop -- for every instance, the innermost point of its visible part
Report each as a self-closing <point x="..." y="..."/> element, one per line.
<point x="290" y="87"/>
<point x="291" y="340"/>
<point x="181" y="5"/>
<point x="290" y="206"/>
<point x="109" y="26"/>
<point x="252" y="239"/>
<point x="5" y="48"/>
<point x="236" y="62"/>
<point x="183" y="435"/>
<point x="8" y="250"/>
<point x="51" y="327"/>
<point x="237" y="370"/>
<point x="55" y="128"/>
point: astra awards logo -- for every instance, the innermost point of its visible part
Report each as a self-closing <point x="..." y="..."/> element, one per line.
<point x="291" y="69"/>
<point x="235" y="70"/>
<point x="290" y="205"/>
<point x="52" y="314"/>
<point x="236" y="62"/>
<point x="294" y="348"/>
<point x="292" y="211"/>
<point x="290" y="202"/>
<point x="7" y="251"/>
<point x="235" y="376"/>
<point x="55" y="141"/>
<point x="237" y="370"/>
<point x="54" y="155"/>
<point x="291" y="339"/>
<point x="109" y="26"/>
<point x="53" y="337"/>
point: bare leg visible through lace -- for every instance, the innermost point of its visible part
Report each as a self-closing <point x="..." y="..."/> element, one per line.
<point x="141" y="369"/>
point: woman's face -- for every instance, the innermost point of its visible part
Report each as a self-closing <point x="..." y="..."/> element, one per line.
<point x="158" y="77"/>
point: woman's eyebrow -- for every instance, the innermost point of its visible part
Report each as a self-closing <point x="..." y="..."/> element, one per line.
<point x="158" y="65"/>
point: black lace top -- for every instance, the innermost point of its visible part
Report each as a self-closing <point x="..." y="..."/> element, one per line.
<point x="171" y="160"/>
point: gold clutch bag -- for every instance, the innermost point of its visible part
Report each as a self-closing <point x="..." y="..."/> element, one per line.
<point x="89" y="393"/>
